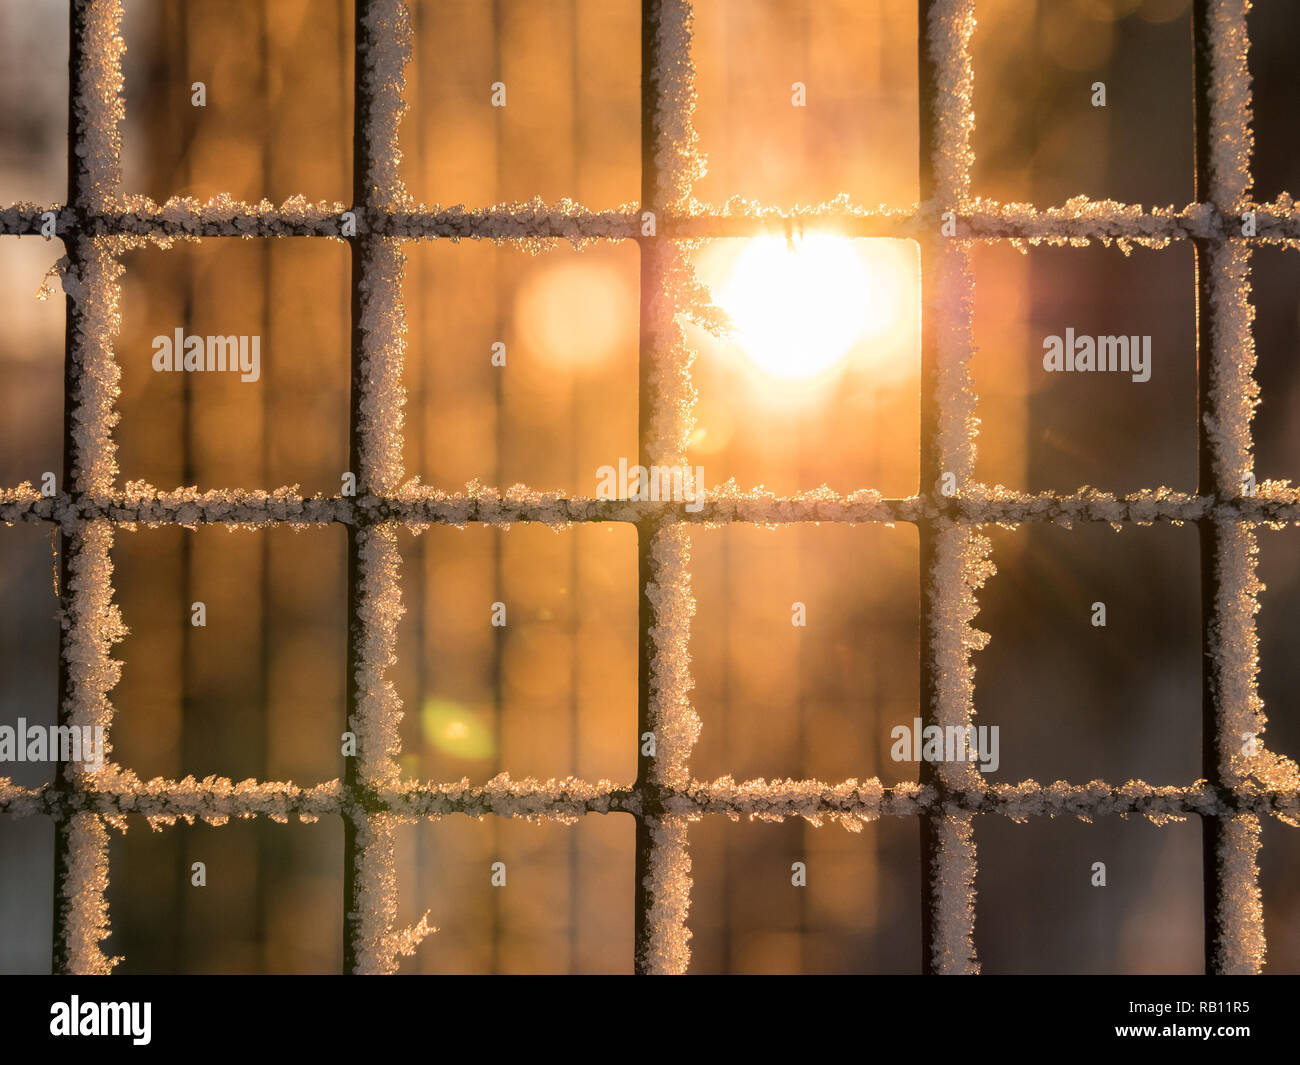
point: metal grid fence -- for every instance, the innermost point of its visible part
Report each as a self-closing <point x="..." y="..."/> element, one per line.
<point x="99" y="222"/>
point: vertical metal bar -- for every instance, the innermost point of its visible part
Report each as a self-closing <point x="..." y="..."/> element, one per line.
<point x="662" y="894"/>
<point x="89" y="622"/>
<point x="947" y="448"/>
<point x="352" y="784"/>
<point x="73" y="244"/>
<point x="1234" y="938"/>
<point x="645" y="529"/>
<point x="360" y="247"/>
<point x="930" y="471"/>
<point x="1211" y="827"/>
<point x="382" y="41"/>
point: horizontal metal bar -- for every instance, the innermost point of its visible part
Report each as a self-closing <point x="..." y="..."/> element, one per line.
<point x="427" y="506"/>
<point x="1076" y="221"/>
<point x="217" y="798"/>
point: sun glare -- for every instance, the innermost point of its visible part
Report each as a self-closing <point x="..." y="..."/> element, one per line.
<point x="799" y="307"/>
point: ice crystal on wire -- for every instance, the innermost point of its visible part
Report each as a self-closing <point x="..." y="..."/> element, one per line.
<point x="103" y="224"/>
<point x="951" y="24"/>
<point x="378" y="945"/>
<point x="84" y="888"/>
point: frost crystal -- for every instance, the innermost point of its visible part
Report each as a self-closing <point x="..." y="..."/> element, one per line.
<point x="377" y="946"/>
<point x="959" y="556"/>
<point x="383" y="333"/>
<point x="949" y="29"/>
<point x="85" y="884"/>
<point x="101" y="223"/>
<point x="98" y="106"/>
<point x="1233" y="394"/>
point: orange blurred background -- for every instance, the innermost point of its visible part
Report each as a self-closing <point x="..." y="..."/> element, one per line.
<point x="260" y="691"/>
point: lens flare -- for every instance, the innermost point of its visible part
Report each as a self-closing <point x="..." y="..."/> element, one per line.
<point x="456" y="730"/>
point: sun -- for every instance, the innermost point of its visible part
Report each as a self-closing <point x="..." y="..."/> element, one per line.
<point x="800" y="306"/>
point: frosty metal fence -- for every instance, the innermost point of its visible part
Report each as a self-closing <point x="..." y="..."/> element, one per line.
<point x="98" y="222"/>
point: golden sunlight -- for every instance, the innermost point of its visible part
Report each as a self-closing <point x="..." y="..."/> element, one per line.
<point x="799" y="307"/>
<point x="579" y="312"/>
